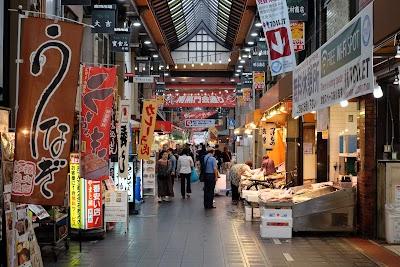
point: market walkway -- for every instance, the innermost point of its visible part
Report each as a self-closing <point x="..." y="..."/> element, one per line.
<point x="182" y="233"/>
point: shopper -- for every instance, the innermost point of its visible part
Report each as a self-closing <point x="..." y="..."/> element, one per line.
<point x="210" y="179"/>
<point x="268" y="165"/>
<point x="218" y="156"/>
<point x="185" y="164"/>
<point x="164" y="149"/>
<point x="163" y="168"/>
<point x="173" y="163"/>
<point x="235" y="174"/>
<point x="226" y="157"/>
<point x="178" y="150"/>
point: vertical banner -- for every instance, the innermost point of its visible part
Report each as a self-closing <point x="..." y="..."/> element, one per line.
<point x="268" y="135"/>
<point x="47" y="96"/>
<point x="94" y="204"/>
<point x="113" y="132"/>
<point x="97" y="100"/>
<point x="149" y="116"/>
<point x="298" y="35"/>
<point x="74" y="191"/>
<point x="246" y="94"/>
<point x="275" y="20"/>
<point x="259" y="80"/>
<point x="160" y="100"/>
<point x="124" y="138"/>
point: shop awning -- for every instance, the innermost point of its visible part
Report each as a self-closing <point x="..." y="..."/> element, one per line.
<point x="279" y="92"/>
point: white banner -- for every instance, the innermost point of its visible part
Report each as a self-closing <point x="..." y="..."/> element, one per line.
<point x="199" y="123"/>
<point x="268" y="135"/>
<point x="125" y="184"/>
<point x="124" y="138"/>
<point x="275" y="20"/>
<point x="340" y="70"/>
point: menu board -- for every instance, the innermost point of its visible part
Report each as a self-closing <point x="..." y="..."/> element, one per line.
<point x="149" y="173"/>
<point x="125" y="184"/>
<point x="116" y="206"/>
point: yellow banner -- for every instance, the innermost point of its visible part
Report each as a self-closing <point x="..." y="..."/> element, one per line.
<point x="213" y="130"/>
<point x="149" y="116"/>
<point x="74" y="194"/>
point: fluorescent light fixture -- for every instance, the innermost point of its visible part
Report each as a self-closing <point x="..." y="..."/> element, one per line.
<point x="250" y="42"/>
<point x="201" y="90"/>
<point x="172" y="80"/>
<point x="247" y="49"/>
<point x="396" y="80"/>
<point x="258" y="23"/>
<point x="344" y="103"/>
<point x="245" y="55"/>
<point x="240" y="66"/>
<point x="238" y="70"/>
<point x="202" y="80"/>
<point x="242" y="61"/>
<point x="166" y="74"/>
<point x="226" y="91"/>
<point x="155" y="55"/>
<point x="136" y="23"/>
<point x="236" y="74"/>
<point x="254" y="34"/>
<point x="232" y="80"/>
<point x="313" y="112"/>
<point x="176" y="90"/>
<point x="378" y="93"/>
<point x="147" y="42"/>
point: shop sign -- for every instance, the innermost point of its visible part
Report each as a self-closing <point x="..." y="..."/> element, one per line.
<point x="74" y="191"/>
<point x="160" y="88"/>
<point x="97" y="110"/>
<point x="199" y="115"/>
<point x="160" y="101"/>
<point x="94" y="204"/>
<point x="76" y="2"/>
<point x="205" y="100"/>
<point x="275" y="20"/>
<point x="124" y="138"/>
<point x="262" y="49"/>
<point x="247" y="94"/>
<point x="149" y="79"/>
<point x="113" y="130"/>
<point x="298" y="36"/>
<point x="47" y="99"/>
<point x="120" y="40"/>
<point x="103" y="18"/>
<point x="213" y="130"/>
<point x="298" y="10"/>
<point x="241" y="101"/>
<point x="259" y="80"/>
<point x="268" y="135"/>
<point x="124" y="184"/>
<point x="325" y="135"/>
<point x="340" y="70"/>
<point x="149" y="173"/>
<point x="257" y="64"/>
<point x="199" y="123"/>
<point x="147" y="125"/>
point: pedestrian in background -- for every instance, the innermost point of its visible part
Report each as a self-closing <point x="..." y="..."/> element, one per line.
<point x="162" y="170"/>
<point x="210" y="178"/>
<point x="185" y="164"/>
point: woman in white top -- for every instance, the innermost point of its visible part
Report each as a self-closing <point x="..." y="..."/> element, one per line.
<point x="184" y="168"/>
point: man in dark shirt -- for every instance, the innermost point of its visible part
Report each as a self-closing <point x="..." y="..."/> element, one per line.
<point x="218" y="156"/>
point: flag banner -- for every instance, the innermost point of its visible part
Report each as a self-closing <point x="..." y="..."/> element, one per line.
<point x="247" y="94"/>
<point x="47" y="96"/>
<point x="97" y="103"/>
<point x="124" y="138"/>
<point x="93" y="204"/>
<point x="198" y="115"/>
<point x="259" y="80"/>
<point x="298" y="36"/>
<point x="276" y="25"/>
<point x="149" y="116"/>
<point x="339" y="70"/>
<point x="200" y="100"/>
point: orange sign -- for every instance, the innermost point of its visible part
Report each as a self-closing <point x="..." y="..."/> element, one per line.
<point x="94" y="204"/>
<point x="240" y="101"/>
<point x="147" y="125"/>
<point x="259" y="80"/>
<point x="247" y="94"/>
<point x="298" y="34"/>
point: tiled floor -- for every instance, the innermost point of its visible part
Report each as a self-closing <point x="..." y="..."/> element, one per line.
<point x="182" y="233"/>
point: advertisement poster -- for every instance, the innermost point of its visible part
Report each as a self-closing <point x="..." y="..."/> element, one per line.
<point x="94" y="204"/>
<point x="125" y="184"/>
<point x="206" y="100"/>
<point x="274" y="17"/>
<point x="298" y="36"/>
<point x="147" y="125"/>
<point x="259" y="80"/>
<point x="116" y="206"/>
<point x="268" y="135"/>
<point x="97" y="111"/>
<point x="44" y="128"/>
<point x="149" y="173"/>
<point x="341" y="69"/>
<point x="74" y="191"/>
<point x="124" y="138"/>
<point x="246" y="94"/>
<point x="197" y="115"/>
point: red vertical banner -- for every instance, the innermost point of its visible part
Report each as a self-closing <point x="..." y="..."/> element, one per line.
<point x="47" y="95"/>
<point x="94" y="204"/>
<point x="97" y="110"/>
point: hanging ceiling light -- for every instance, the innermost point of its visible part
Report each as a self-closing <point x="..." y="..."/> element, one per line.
<point x="396" y="80"/>
<point x="254" y="34"/>
<point x="202" y="63"/>
<point x="344" y="103"/>
<point x="220" y="60"/>
<point x="184" y="66"/>
<point x="135" y="67"/>
<point x="147" y="42"/>
<point x="151" y="68"/>
<point x="136" y="22"/>
<point x="167" y="67"/>
<point x="250" y="42"/>
<point x="258" y="23"/>
<point x="249" y="55"/>
<point x="378" y="93"/>
<point x="176" y="66"/>
<point x="229" y="59"/>
<point x="242" y="61"/>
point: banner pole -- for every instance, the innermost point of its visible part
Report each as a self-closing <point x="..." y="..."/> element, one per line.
<point x="79" y="149"/>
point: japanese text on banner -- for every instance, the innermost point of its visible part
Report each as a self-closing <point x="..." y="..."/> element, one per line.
<point x="149" y="115"/>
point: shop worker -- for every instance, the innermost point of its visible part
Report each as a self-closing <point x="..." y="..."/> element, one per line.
<point x="210" y="178"/>
<point x="235" y="174"/>
<point x="268" y="165"/>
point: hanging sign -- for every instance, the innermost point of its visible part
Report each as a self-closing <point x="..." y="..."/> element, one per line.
<point x="113" y="130"/>
<point x="341" y="69"/>
<point x="199" y="115"/>
<point x="247" y="94"/>
<point x="268" y="135"/>
<point x="213" y="130"/>
<point x="124" y="138"/>
<point x="147" y="125"/>
<point x="259" y="80"/>
<point x="205" y="100"/>
<point x="120" y="40"/>
<point x="298" y="36"/>
<point x="258" y="64"/>
<point x="298" y="10"/>
<point x="160" y="101"/>
<point x="74" y="191"/>
<point x="275" y="20"/>
<point x="199" y="123"/>
<point x="97" y="103"/>
<point x="137" y="79"/>
<point x="47" y="99"/>
<point x="160" y="88"/>
<point x="93" y="204"/>
<point x="103" y="18"/>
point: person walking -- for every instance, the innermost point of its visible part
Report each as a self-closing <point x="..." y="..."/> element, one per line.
<point x="185" y="164"/>
<point x="210" y="179"/>
<point x="226" y="157"/>
<point x="163" y="168"/>
<point x="218" y="156"/>
<point x="171" y="179"/>
<point x="164" y="149"/>
<point x="235" y="174"/>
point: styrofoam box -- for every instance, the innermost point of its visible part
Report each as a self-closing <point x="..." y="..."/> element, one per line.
<point x="247" y="213"/>
<point x="392" y="230"/>
<point x="249" y="192"/>
<point x="275" y="232"/>
<point x="276" y="222"/>
<point x="277" y="213"/>
<point x="252" y="198"/>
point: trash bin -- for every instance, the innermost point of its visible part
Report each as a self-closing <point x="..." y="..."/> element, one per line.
<point x="392" y="225"/>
